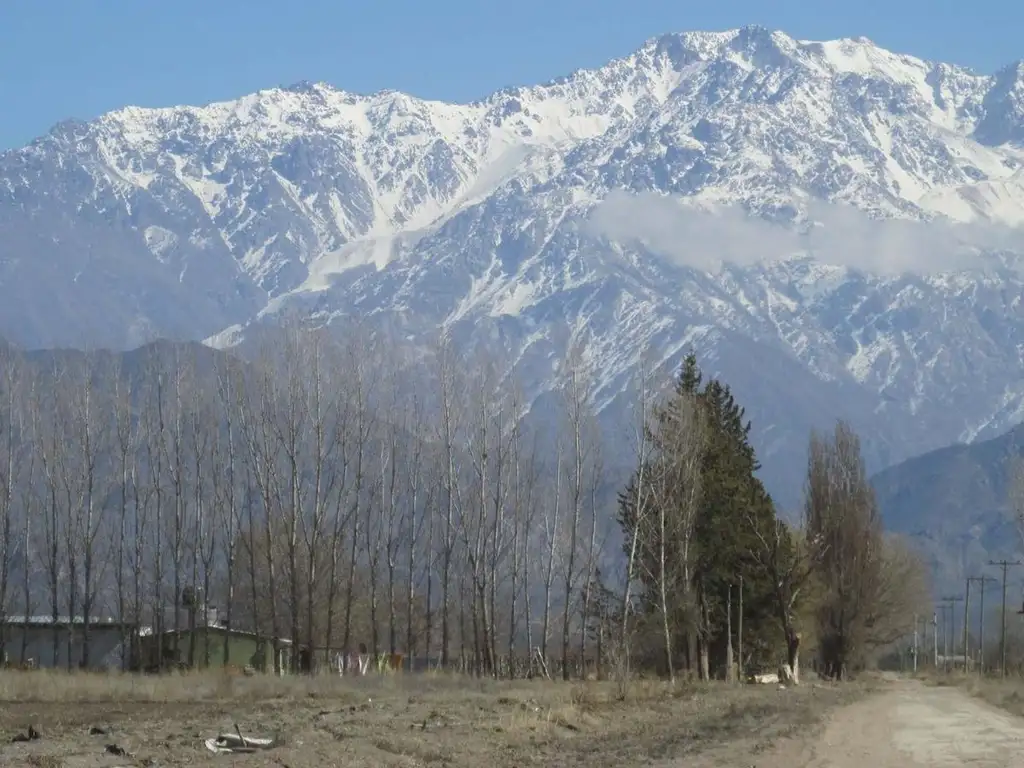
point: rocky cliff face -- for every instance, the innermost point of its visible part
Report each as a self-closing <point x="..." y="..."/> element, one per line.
<point x="863" y="202"/>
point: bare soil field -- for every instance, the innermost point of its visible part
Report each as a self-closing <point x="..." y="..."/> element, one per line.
<point x="416" y="720"/>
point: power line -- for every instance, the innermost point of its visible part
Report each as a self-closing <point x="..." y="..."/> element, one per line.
<point x="1004" y="564"/>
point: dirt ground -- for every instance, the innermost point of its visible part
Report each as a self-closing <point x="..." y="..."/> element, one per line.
<point x="907" y="723"/>
<point x="410" y="721"/>
<point x="442" y="721"/>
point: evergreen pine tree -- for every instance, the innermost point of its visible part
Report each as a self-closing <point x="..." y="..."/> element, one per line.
<point x="733" y="504"/>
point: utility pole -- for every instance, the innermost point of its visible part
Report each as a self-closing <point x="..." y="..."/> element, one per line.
<point x="935" y="640"/>
<point x="967" y="620"/>
<point x="1004" y="564"/>
<point x="982" y="581"/>
<point x="949" y="601"/>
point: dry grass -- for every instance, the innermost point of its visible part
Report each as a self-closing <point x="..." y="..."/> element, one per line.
<point x="58" y="686"/>
<point x="1005" y="693"/>
<point x="400" y="720"/>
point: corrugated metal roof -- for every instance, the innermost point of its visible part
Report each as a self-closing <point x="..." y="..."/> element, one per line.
<point x="65" y="620"/>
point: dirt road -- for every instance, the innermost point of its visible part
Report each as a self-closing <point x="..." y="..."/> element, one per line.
<point x="909" y="724"/>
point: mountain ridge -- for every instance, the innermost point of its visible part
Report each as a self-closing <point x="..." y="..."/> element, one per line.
<point x="656" y="202"/>
<point x="953" y="504"/>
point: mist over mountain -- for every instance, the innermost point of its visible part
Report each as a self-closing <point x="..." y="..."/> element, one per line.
<point x="834" y="228"/>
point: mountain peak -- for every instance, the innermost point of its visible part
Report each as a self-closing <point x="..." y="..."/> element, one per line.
<point x="519" y="219"/>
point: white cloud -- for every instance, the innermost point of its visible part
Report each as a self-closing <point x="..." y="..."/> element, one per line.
<point x="705" y="237"/>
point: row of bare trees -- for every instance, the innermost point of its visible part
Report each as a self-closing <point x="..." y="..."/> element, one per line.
<point x="336" y="492"/>
<point x="319" y="492"/>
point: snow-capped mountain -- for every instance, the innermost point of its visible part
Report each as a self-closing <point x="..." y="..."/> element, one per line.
<point x="866" y="204"/>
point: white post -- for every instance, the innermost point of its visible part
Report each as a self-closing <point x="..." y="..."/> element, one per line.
<point x="915" y="643"/>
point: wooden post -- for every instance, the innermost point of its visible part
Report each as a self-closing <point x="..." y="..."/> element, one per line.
<point x="728" y="635"/>
<point x="739" y="634"/>
<point x="915" y="642"/>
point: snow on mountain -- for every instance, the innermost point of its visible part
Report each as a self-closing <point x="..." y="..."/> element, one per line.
<point x="866" y="205"/>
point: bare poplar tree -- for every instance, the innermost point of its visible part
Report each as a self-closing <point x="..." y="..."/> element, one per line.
<point x="323" y="464"/>
<point x="362" y="382"/>
<point x="504" y="502"/>
<point x="842" y="515"/>
<point x="552" y="534"/>
<point x="203" y="450"/>
<point x="152" y="518"/>
<point x="450" y="433"/>
<point x="679" y="436"/>
<point x="257" y="415"/>
<point x="487" y="458"/>
<point x="11" y="437"/>
<point x="49" y="420"/>
<point x="593" y="548"/>
<point x="225" y="486"/>
<point x="644" y="404"/>
<point x="577" y="391"/>
<point x="174" y="446"/>
<point x="398" y="452"/>
<point x="126" y="438"/>
<point x="417" y="517"/>
<point x="344" y="407"/>
<point x="521" y="499"/>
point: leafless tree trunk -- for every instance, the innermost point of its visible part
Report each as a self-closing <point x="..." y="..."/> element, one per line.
<point x="552" y="512"/>
<point x="154" y="414"/>
<point x="342" y="511"/>
<point x="264" y="458"/>
<point x="225" y="490"/>
<point x="503" y="503"/>
<point x="576" y="393"/>
<point x="373" y="529"/>
<point x="11" y="437"/>
<point x="392" y="514"/>
<point x="205" y="453"/>
<point x="71" y="479"/>
<point x="450" y="433"/>
<point x="418" y="514"/>
<point x="590" y="568"/>
<point x="126" y="441"/>
<point x="430" y="511"/>
<point x="644" y="406"/>
<point x="519" y="505"/>
<point x="872" y="586"/>
<point x="174" y="448"/>
<point x="48" y="428"/>
<point x="668" y="519"/>
<point x="480" y="518"/>
<point x="290" y="422"/>
<point x="326" y="477"/>
<point x="359" y="352"/>
<point x="32" y="510"/>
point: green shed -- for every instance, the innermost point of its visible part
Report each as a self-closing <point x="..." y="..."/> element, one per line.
<point x="195" y="647"/>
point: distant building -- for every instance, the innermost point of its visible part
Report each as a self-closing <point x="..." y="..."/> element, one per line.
<point x="30" y="640"/>
<point x="204" y="645"/>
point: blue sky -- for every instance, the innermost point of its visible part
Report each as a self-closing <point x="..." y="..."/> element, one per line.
<point x="80" y="58"/>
